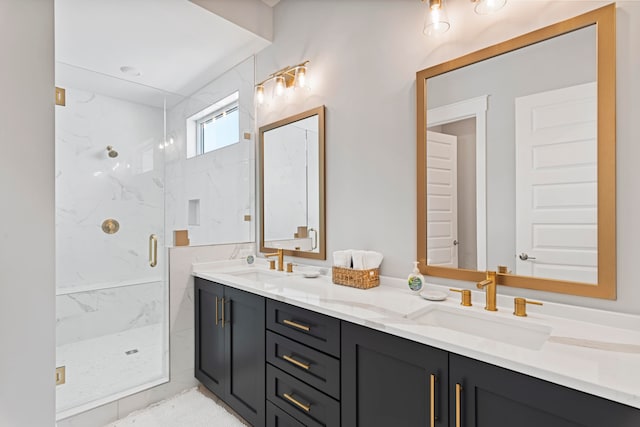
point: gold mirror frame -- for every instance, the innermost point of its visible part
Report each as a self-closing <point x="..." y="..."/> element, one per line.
<point x="605" y="21"/>
<point x="318" y="111"/>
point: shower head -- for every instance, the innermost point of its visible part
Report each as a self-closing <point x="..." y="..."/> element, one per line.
<point x="111" y="152"/>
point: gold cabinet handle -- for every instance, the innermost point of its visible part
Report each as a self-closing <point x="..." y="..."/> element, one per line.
<point x="432" y="400"/>
<point x="458" y="408"/>
<point x="300" y="405"/>
<point x="153" y="250"/>
<point x="296" y="362"/>
<point x="223" y="312"/>
<point x="216" y="311"/>
<point x="296" y="325"/>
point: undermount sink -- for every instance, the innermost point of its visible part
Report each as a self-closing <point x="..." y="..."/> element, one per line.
<point x="256" y="275"/>
<point x="486" y="325"/>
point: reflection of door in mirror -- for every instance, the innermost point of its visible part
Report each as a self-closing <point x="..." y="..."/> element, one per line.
<point x="556" y="184"/>
<point x="451" y="195"/>
<point x="442" y="199"/>
<point x="291" y="176"/>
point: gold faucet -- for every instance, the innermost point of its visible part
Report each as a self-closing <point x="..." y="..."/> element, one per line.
<point x="490" y="284"/>
<point x="280" y="255"/>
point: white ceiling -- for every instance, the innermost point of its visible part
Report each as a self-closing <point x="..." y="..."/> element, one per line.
<point x="176" y="45"/>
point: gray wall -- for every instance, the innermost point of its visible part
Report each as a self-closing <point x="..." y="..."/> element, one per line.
<point x="363" y="65"/>
<point x="27" y="268"/>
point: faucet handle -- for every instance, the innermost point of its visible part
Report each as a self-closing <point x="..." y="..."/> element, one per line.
<point x="465" y="297"/>
<point x="289" y="267"/>
<point x="272" y="264"/>
<point x="520" y="306"/>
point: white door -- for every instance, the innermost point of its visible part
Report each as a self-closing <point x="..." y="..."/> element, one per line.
<point x="442" y="199"/>
<point x="556" y="184"/>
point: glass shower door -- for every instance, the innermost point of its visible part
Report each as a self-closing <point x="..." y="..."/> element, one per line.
<point x="111" y="279"/>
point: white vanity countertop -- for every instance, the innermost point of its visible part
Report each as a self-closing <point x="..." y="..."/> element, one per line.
<point x="594" y="351"/>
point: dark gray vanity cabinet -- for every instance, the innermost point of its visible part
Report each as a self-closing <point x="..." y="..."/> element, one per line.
<point x="486" y="395"/>
<point x="390" y="381"/>
<point x="280" y="365"/>
<point x="229" y="347"/>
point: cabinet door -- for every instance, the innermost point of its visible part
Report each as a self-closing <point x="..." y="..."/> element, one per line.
<point x="245" y="354"/>
<point x="496" y="397"/>
<point x="388" y="381"/>
<point x="209" y="337"/>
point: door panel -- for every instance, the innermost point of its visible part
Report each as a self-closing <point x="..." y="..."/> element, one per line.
<point x="386" y="380"/>
<point x="496" y="397"/>
<point x="556" y="184"/>
<point x="209" y="351"/>
<point x="245" y="358"/>
<point x="442" y="199"/>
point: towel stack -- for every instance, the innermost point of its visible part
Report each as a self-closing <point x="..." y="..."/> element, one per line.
<point x="356" y="259"/>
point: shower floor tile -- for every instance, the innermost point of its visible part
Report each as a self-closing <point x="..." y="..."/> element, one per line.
<point x="101" y="367"/>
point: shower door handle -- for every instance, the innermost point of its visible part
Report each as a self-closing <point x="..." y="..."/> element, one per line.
<point x="153" y="250"/>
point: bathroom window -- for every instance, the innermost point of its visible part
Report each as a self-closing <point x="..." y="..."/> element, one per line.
<point x="215" y="127"/>
<point x="218" y="129"/>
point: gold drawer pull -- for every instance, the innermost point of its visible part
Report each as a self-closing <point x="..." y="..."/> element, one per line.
<point x="432" y="400"/>
<point x="296" y="362"/>
<point x="222" y="312"/>
<point x="458" y="409"/>
<point x="216" y="311"/>
<point x="307" y="408"/>
<point x="296" y="325"/>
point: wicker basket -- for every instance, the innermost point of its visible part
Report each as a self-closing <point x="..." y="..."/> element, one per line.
<point x="361" y="279"/>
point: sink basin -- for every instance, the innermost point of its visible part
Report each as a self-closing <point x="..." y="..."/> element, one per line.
<point x="257" y="275"/>
<point x="486" y="325"/>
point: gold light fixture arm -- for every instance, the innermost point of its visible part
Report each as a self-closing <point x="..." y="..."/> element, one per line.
<point x="287" y="72"/>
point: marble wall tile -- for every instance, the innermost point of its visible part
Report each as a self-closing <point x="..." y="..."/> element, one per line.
<point x="85" y="315"/>
<point x="92" y="187"/>
<point x="222" y="180"/>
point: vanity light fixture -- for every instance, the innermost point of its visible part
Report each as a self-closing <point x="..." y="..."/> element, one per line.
<point x="437" y="21"/>
<point x="288" y="77"/>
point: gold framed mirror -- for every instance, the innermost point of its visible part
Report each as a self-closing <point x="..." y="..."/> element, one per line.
<point x="538" y="199"/>
<point x="292" y="185"/>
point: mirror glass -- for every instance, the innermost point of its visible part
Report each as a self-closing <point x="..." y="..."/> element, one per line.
<point x="540" y="128"/>
<point x="516" y="153"/>
<point x="292" y="182"/>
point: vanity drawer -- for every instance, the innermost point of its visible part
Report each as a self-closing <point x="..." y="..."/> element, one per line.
<point x="308" y="405"/>
<point x="276" y="417"/>
<point x="316" y="330"/>
<point x="311" y="366"/>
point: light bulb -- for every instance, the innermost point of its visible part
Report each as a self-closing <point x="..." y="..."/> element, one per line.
<point x="436" y="21"/>
<point x="279" y="87"/>
<point x="260" y="94"/>
<point x="301" y="76"/>
<point x="485" y="7"/>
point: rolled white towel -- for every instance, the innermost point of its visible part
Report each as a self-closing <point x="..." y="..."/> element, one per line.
<point x="342" y="258"/>
<point x="372" y="259"/>
<point x="358" y="260"/>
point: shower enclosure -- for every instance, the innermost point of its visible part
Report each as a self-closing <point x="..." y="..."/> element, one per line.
<point x="111" y="278"/>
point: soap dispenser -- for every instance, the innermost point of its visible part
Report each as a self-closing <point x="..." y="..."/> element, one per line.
<point x="415" y="279"/>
